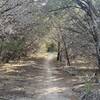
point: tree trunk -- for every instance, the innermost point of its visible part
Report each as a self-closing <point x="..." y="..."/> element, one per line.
<point x="66" y="52"/>
<point x="95" y="34"/>
<point x="97" y="44"/>
<point x="67" y="57"/>
<point x="98" y="55"/>
<point x="58" y="54"/>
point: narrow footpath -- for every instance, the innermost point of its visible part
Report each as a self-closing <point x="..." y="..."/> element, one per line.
<point x="35" y="80"/>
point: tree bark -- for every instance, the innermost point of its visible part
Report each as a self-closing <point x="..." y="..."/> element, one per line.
<point x="97" y="42"/>
<point x="58" y="53"/>
<point x="98" y="55"/>
<point x="66" y="52"/>
<point x="95" y="34"/>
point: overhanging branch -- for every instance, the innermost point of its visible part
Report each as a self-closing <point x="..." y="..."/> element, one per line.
<point x="63" y="8"/>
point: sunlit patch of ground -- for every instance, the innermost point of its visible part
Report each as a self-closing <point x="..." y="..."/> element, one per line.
<point x="44" y="55"/>
<point x="54" y="89"/>
<point x="40" y="55"/>
<point x="11" y="67"/>
<point x="84" y="63"/>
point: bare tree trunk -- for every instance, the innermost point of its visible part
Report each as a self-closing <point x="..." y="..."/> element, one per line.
<point x="67" y="56"/>
<point x="58" y="53"/>
<point x="66" y="52"/>
<point x="61" y="55"/>
<point x="95" y="34"/>
<point x="96" y="40"/>
<point x="97" y="45"/>
<point x="98" y="55"/>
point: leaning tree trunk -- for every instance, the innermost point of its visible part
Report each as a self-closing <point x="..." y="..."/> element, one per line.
<point x="96" y="36"/>
<point x="58" y="52"/>
<point x="98" y="60"/>
<point x="67" y="56"/>
<point x="66" y="52"/>
<point x="98" y="55"/>
<point x="96" y="43"/>
<point x="92" y="13"/>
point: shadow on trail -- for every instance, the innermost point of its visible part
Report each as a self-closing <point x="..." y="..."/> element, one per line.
<point x="35" y="79"/>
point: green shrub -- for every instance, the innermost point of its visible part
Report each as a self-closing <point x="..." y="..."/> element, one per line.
<point x="51" y="47"/>
<point x="12" y="49"/>
<point x="88" y="87"/>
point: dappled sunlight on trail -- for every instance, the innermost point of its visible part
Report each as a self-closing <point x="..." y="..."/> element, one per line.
<point x="50" y="56"/>
<point x="35" y="79"/>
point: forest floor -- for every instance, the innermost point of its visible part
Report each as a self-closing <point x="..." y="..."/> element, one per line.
<point x="36" y="79"/>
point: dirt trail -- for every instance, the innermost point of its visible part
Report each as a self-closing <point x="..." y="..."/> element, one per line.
<point x="35" y="80"/>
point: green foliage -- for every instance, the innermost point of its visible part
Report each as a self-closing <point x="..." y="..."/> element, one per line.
<point x="51" y="47"/>
<point x="13" y="45"/>
<point x="54" y="4"/>
<point x="88" y="87"/>
<point x="12" y="49"/>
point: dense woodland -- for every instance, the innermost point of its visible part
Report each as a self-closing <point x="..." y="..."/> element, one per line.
<point x="68" y="28"/>
<point x="72" y="25"/>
